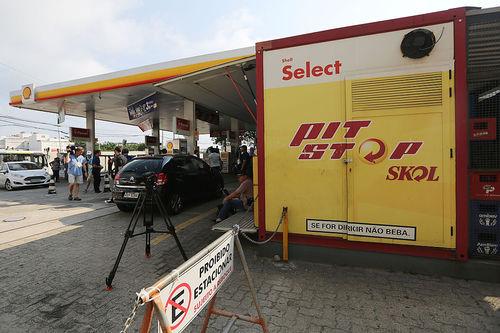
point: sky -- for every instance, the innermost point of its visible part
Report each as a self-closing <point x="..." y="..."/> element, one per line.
<point x="51" y="41"/>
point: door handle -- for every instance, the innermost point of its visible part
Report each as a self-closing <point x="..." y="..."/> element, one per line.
<point x="347" y="160"/>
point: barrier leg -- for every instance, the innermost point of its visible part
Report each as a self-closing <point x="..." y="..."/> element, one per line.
<point x="148" y="318"/>
<point x="262" y="321"/>
<point x="285" y="235"/>
<point x="162" y="318"/>
<point x="208" y="314"/>
<point x="230" y="324"/>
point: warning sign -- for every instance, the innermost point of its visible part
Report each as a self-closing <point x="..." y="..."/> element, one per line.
<point x="179" y="302"/>
<point x="362" y="229"/>
<point x="188" y="295"/>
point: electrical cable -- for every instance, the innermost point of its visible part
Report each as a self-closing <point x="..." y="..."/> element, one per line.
<point x="434" y="44"/>
<point x="21" y="72"/>
<point x="11" y="123"/>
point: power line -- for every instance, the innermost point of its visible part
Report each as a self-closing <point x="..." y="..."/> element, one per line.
<point x="11" y="123"/>
<point x="12" y="68"/>
<point x="30" y="121"/>
<point x="59" y="126"/>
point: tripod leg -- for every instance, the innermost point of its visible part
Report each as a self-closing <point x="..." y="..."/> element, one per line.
<point x="168" y="222"/>
<point x="148" y="243"/>
<point x="128" y="234"/>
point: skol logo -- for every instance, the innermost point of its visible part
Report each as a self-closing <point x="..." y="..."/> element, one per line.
<point x="371" y="151"/>
<point x="416" y="173"/>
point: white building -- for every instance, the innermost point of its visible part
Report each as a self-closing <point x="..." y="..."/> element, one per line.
<point x="35" y="142"/>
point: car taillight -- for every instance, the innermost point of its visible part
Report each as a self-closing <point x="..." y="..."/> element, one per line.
<point x="117" y="179"/>
<point x="161" y="178"/>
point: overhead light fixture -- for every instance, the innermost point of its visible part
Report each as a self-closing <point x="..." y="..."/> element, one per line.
<point x="489" y="94"/>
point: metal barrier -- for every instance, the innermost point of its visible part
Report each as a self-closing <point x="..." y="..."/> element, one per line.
<point x="178" y="297"/>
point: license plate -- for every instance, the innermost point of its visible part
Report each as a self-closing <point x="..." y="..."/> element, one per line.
<point x="131" y="195"/>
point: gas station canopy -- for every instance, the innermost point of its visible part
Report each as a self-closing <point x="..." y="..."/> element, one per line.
<point x="222" y="83"/>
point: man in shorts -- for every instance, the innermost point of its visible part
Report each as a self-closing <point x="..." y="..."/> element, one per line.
<point x="76" y="167"/>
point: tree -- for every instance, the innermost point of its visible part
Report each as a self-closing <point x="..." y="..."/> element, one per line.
<point x="249" y="137"/>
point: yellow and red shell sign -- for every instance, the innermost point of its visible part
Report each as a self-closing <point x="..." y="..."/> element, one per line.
<point x="27" y="92"/>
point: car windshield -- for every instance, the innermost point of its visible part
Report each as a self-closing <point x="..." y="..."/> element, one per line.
<point x="140" y="166"/>
<point x="23" y="166"/>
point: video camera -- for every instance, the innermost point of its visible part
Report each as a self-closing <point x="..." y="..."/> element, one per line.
<point x="71" y="150"/>
<point x="150" y="180"/>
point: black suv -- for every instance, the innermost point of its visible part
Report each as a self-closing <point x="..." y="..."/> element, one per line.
<point x="180" y="178"/>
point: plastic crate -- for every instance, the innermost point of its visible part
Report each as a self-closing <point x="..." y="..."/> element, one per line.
<point x="485" y="185"/>
<point x="485" y="216"/>
<point x="485" y="245"/>
<point x="484" y="122"/>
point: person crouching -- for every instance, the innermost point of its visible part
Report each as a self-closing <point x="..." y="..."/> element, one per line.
<point x="238" y="200"/>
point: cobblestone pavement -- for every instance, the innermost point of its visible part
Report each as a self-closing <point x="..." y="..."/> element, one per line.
<point x="56" y="283"/>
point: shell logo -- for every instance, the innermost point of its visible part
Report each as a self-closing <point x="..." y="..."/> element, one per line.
<point x="372" y="151"/>
<point x="27" y="92"/>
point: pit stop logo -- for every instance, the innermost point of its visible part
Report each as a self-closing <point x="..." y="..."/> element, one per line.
<point x="371" y="151"/>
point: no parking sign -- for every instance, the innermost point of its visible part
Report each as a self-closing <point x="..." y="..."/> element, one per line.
<point x="187" y="295"/>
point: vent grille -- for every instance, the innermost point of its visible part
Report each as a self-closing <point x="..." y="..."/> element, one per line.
<point x="396" y="92"/>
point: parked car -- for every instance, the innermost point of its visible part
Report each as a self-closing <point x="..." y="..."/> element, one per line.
<point x="179" y="179"/>
<point x="22" y="174"/>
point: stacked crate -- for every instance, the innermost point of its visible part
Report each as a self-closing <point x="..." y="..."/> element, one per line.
<point x="484" y="180"/>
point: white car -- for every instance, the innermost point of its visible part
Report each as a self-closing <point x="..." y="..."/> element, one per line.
<point x="21" y="174"/>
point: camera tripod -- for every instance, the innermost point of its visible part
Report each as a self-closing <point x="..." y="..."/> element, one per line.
<point x="151" y="198"/>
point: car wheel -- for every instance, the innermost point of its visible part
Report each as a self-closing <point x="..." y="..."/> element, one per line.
<point x="8" y="185"/>
<point x="174" y="203"/>
<point x="125" y="208"/>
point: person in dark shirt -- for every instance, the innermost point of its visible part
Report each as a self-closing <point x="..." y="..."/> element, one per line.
<point x="96" y="171"/>
<point x="56" y="166"/>
<point x="125" y="152"/>
<point x="246" y="162"/>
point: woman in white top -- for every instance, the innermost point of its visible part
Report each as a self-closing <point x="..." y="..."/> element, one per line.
<point x="214" y="160"/>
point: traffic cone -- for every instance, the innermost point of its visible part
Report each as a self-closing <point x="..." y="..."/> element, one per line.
<point x="52" y="186"/>
<point x="107" y="188"/>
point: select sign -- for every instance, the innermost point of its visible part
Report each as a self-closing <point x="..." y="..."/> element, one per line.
<point x="362" y="229"/>
<point x="193" y="289"/>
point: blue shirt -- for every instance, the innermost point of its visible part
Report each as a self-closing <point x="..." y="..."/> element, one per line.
<point x="73" y="167"/>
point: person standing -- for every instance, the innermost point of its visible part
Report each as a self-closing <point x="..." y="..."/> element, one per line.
<point x="66" y="159"/>
<point x="76" y="173"/>
<point x="56" y="167"/>
<point x="245" y="161"/>
<point x="96" y="171"/>
<point x="88" y="170"/>
<point x="125" y="153"/>
<point x="214" y="160"/>
<point x="118" y="162"/>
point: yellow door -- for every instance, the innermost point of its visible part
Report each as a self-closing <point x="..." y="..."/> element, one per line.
<point x="299" y="171"/>
<point x="401" y="171"/>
